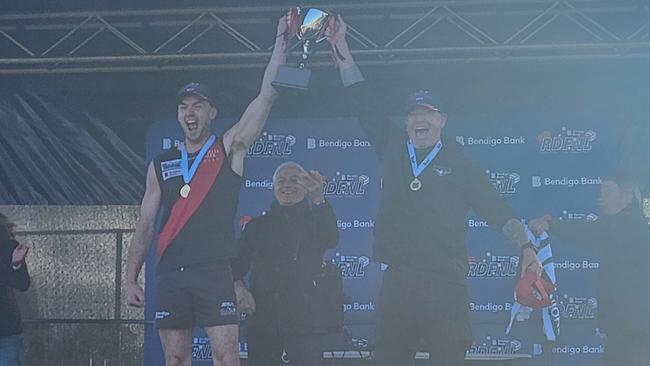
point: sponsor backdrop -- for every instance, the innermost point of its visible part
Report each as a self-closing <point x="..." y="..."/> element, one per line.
<point x="544" y="165"/>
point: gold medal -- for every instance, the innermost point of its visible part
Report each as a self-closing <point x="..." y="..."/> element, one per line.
<point x="185" y="191"/>
<point x="416" y="184"/>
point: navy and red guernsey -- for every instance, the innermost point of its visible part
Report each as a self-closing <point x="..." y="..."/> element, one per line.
<point x="199" y="229"/>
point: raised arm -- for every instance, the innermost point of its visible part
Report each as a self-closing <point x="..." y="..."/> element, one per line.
<point x="581" y="232"/>
<point x="239" y="138"/>
<point x="142" y="238"/>
<point x="322" y="220"/>
<point x="19" y="276"/>
<point x="368" y="103"/>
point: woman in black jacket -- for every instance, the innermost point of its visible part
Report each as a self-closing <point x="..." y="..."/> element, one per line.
<point x="13" y="275"/>
<point x="283" y="250"/>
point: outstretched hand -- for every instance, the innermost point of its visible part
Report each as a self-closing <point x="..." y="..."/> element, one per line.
<point x="19" y="254"/>
<point x="335" y="34"/>
<point x="539" y="225"/>
<point x="283" y="33"/>
<point x="312" y="183"/>
<point x="336" y="30"/>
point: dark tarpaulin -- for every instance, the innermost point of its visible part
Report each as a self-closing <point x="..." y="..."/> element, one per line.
<point x="49" y="155"/>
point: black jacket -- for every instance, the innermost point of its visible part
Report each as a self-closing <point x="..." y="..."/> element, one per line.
<point x="283" y="250"/>
<point x="424" y="230"/>
<point x="10" y="279"/>
<point x="622" y="242"/>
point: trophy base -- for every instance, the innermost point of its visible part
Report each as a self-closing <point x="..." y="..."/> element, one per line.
<point x="292" y="78"/>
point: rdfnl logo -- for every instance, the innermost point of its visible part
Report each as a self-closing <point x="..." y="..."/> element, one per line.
<point x="346" y="185"/>
<point x="352" y="266"/>
<point x="493" y="267"/>
<point x="570" y="182"/>
<point x="318" y="143"/>
<point x="504" y="183"/>
<point x="272" y="145"/>
<point x="490" y="141"/>
<point x="201" y="349"/>
<point x="579" y="308"/>
<point x="496" y="346"/>
<point x="567" y="140"/>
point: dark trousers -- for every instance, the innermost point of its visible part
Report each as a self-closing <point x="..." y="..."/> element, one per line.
<point x="300" y="350"/>
<point x="418" y="312"/>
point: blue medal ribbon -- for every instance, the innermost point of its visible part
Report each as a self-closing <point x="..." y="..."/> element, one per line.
<point x="419" y="168"/>
<point x="188" y="172"/>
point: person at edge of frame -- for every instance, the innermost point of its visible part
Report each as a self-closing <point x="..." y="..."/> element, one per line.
<point x="13" y="275"/>
<point x="621" y="240"/>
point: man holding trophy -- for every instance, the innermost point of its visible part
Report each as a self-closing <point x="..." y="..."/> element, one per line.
<point x="196" y="187"/>
<point x="429" y="186"/>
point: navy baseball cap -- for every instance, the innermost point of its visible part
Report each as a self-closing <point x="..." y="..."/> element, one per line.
<point x="198" y="90"/>
<point x="423" y="98"/>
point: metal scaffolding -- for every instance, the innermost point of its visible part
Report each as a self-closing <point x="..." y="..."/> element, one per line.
<point x="381" y="33"/>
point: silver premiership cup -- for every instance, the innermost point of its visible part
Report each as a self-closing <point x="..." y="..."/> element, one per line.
<point x="311" y="31"/>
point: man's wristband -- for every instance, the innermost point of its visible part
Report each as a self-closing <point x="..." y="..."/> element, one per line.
<point x="16" y="267"/>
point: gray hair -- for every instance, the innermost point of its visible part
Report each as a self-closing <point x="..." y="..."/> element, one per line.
<point x="288" y="164"/>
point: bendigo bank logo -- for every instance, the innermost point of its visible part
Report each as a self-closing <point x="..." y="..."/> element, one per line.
<point x="168" y="143"/>
<point x="493" y="267"/>
<point x="352" y="266"/>
<point x="272" y="145"/>
<point x="567" y="141"/>
<point x="568" y="182"/>
<point x="575" y="350"/>
<point x="574" y="265"/>
<point x="490" y="141"/>
<point x="346" y="185"/>
<point x="579" y="308"/>
<point x="504" y="183"/>
<point x="340" y="144"/>
<point x="495" y="346"/>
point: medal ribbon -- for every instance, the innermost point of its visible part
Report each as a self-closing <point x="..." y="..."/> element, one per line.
<point x="419" y="168"/>
<point x="188" y="172"/>
<point x="183" y="209"/>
